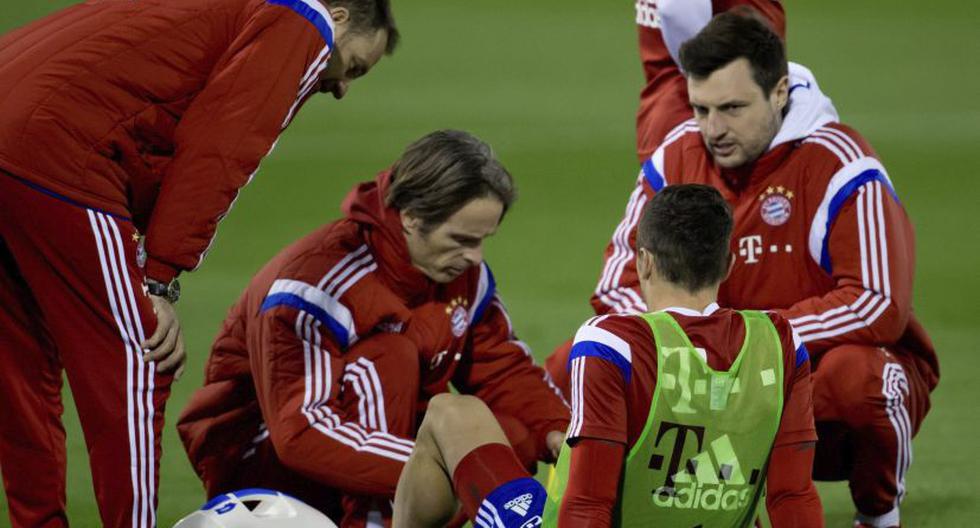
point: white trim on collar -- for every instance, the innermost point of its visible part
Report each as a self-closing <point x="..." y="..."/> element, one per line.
<point x="708" y="310"/>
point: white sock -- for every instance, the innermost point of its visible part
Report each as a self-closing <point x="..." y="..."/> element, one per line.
<point x="881" y="521"/>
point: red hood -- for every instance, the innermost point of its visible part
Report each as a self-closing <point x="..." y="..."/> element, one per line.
<point x="382" y="225"/>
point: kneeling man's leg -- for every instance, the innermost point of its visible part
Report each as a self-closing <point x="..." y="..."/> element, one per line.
<point x="462" y="451"/>
<point x="870" y="399"/>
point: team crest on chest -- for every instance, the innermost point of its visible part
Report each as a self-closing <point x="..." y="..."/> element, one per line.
<point x="776" y="206"/>
<point x="458" y="315"/>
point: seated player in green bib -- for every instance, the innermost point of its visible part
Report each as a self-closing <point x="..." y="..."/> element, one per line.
<point x="690" y="415"/>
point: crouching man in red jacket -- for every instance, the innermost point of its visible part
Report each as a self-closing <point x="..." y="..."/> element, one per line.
<point x="317" y="380"/>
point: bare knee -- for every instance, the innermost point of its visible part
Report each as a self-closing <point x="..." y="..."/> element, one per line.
<point x="455" y="411"/>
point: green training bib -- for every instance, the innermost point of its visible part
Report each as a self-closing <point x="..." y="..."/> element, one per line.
<point x="702" y="456"/>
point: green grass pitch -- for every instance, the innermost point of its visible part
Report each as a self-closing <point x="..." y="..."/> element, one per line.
<point x="553" y="86"/>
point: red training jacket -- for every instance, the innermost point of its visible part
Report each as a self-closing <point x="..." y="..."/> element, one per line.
<point x="341" y="283"/>
<point x="157" y="110"/>
<point x="820" y="235"/>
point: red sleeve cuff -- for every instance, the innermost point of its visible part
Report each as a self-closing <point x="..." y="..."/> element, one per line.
<point x="599" y="432"/>
<point x="159" y="271"/>
<point x="795" y="437"/>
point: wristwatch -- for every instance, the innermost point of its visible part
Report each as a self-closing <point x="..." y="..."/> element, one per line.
<point x="170" y="292"/>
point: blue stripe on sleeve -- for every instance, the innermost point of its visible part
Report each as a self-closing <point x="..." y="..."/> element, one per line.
<point x="487" y="297"/>
<point x="837" y="202"/>
<point x="654" y="178"/>
<point x="599" y="350"/>
<point x="802" y="356"/>
<point x="321" y="315"/>
<point x="311" y="14"/>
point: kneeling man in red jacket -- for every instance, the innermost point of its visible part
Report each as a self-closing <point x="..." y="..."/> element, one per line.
<point x="318" y="379"/>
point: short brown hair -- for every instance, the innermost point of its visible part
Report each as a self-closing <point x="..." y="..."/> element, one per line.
<point x="442" y="172"/>
<point x="733" y="35"/>
<point x="371" y="15"/>
<point x="686" y="228"/>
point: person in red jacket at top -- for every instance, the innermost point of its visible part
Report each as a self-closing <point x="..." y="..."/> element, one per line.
<point x="128" y="130"/>
<point x="662" y="26"/>
<point x="662" y="433"/>
<point x="315" y="382"/>
<point x="820" y="237"/>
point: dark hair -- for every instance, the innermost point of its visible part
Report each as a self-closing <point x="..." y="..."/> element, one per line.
<point x="687" y="228"/>
<point x="733" y="35"/>
<point x="442" y="172"/>
<point x="371" y="15"/>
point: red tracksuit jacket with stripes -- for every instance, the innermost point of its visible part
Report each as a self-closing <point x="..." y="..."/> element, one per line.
<point x="340" y="284"/>
<point x="820" y="234"/>
<point x="157" y="110"/>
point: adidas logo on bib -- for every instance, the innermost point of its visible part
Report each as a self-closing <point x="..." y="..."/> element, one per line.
<point x="705" y="485"/>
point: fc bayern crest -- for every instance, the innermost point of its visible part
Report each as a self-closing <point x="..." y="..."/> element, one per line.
<point x="776" y="207"/>
<point x="458" y="321"/>
<point x="459" y="318"/>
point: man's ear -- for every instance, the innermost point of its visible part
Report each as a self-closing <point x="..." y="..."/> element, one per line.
<point x="781" y="93"/>
<point x="410" y="224"/>
<point x="644" y="264"/>
<point x="339" y="15"/>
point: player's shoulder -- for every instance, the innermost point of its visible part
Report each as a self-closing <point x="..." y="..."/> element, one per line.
<point x="658" y="169"/>
<point x="682" y="137"/>
<point x="311" y="15"/>
<point x="615" y="338"/>
<point x="834" y="146"/>
<point x="782" y="325"/>
<point x="793" y="347"/>
<point x="331" y="274"/>
<point x="837" y="161"/>
<point x="331" y="259"/>
<point x="601" y="328"/>
<point x="332" y="254"/>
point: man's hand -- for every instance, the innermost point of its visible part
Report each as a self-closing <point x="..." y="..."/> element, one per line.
<point x="166" y="345"/>
<point x="554" y="441"/>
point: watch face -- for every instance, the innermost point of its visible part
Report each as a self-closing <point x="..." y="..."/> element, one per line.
<point x="170" y="292"/>
<point x="173" y="291"/>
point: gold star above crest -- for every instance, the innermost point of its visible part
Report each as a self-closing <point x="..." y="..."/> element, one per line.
<point x="136" y="237"/>
<point x="780" y="189"/>
<point x="789" y="194"/>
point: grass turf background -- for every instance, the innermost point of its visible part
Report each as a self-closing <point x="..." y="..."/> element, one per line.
<point x="553" y="86"/>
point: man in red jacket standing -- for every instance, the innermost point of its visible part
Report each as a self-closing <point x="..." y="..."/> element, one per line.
<point x="128" y="129"/>
<point x="317" y="381"/>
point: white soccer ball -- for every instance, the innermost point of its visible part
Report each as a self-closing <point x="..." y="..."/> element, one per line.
<point x="255" y="508"/>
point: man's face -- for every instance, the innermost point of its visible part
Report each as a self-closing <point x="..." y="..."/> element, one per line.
<point x="354" y="54"/>
<point x="737" y="120"/>
<point x="452" y="247"/>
